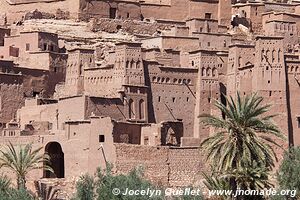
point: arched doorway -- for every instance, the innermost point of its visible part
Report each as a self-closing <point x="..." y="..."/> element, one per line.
<point x="54" y="150"/>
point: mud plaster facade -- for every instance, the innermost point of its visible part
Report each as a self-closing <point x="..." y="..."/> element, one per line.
<point x="137" y="101"/>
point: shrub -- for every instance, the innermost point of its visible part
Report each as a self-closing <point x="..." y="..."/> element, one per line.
<point x="288" y="174"/>
<point x="85" y="188"/>
<point x="101" y="187"/>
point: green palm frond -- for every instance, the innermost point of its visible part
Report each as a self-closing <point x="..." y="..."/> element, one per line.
<point x="23" y="160"/>
<point x="246" y="135"/>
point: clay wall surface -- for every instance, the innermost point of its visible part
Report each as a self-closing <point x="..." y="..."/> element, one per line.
<point x="11" y="96"/>
<point x="168" y="91"/>
<point x="150" y="135"/>
<point x="130" y="26"/>
<point x="106" y="107"/>
<point x="224" y="12"/>
<point x="78" y="61"/>
<point x="293" y="71"/>
<point x="14" y="13"/>
<point x="240" y="69"/>
<point x="3" y="32"/>
<point x="177" y="10"/>
<point x="180" y="10"/>
<point x="270" y="79"/>
<point x="136" y="103"/>
<point x="79" y="142"/>
<point x="163" y="57"/>
<point x="252" y="12"/>
<point x="288" y="17"/>
<point x="127" y="133"/>
<point x="280" y="7"/>
<point x="180" y="43"/>
<point x="24" y="82"/>
<point x="54" y="62"/>
<point x="36" y="50"/>
<point x="34" y="113"/>
<point x="99" y="82"/>
<point x="162" y="165"/>
<point x="286" y="29"/>
<point x="73" y="108"/>
<point x="203" y="9"/>
<point x="28" y="1"/>
<point x="114" y="10"/>
<point x="208" y="88"/>
<point x="202" y="25"/>
<point x="280" y="27"/>
<point x="41" y="81"/>
<point x="211" y="41"/>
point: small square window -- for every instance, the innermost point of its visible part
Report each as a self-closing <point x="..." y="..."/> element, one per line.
<point x="207" y="15"/>
<point x="298" y="120"/>
<point x="101" y="138"/>
<point x="27" y="46"/>
<point x="146" y="140"/>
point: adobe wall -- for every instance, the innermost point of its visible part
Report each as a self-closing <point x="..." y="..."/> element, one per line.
<point x="180" y="43"/>
<point x="240" y="69"/>
<point x="180" y="10"/>
<point x="73" y="108"/>
<point x="101" y="9"/>
<point x="171" y="97"/>
<point x="269" y="80"/>
<point x="202" y="25"/>
<point x="11" y="96"/>
<point x="40" y="113"/>
<point x="106" y="107"/>
<point x="198" y="9"/>
<point x="14" y="13"/>
<point x="282" y="17"/>
<point x="168" y="166"/>
<point x="79" y="142"/>
<point x="211" y="41"/>
<point x="41" y="81"/>
<point x="127" y="133"/>
<point x="3" y="32"/>
<point x="224" y="12"/>
<point x="293" y="71"/>
<point x="207" y="87"/>
<point x="280" y="7"/>
<point x="14" y="2"/>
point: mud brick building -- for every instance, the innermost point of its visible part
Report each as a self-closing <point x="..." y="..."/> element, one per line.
<point x="127" y="87"/>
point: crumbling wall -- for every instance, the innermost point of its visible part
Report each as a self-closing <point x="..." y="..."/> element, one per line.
<point x="129" y="26"/>
<point x="16" y="12"/>
<point x="162" y="165"/>
<point x="11" y="99"/>
<point x="173" y="95"/>
<point x="14" y="2"/>
<point x="111" y="107"/>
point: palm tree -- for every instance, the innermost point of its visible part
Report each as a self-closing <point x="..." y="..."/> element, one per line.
<point x="243" y="141"/>
<point x="23" y="160"/>
<point x="4" y="184"/>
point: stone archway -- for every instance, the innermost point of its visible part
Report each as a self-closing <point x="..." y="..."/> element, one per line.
<point x="54" y="150"/>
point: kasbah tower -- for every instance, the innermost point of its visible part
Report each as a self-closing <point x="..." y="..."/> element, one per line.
<point x="124" y="82"/>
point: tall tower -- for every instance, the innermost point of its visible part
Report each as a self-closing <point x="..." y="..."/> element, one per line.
<point x="78" y="60"/>
<point x="208" y="89"/>
<point x="129" y="78"/>
<point x="269" y="78"/>
<point x="224" y="12"/>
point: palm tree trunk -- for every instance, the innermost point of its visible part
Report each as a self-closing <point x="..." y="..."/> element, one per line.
<point x="21" y="182"/>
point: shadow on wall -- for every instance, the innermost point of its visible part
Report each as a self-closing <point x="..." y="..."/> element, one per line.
<point x="236" y="21"/>
<point x="171" y="132"/>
